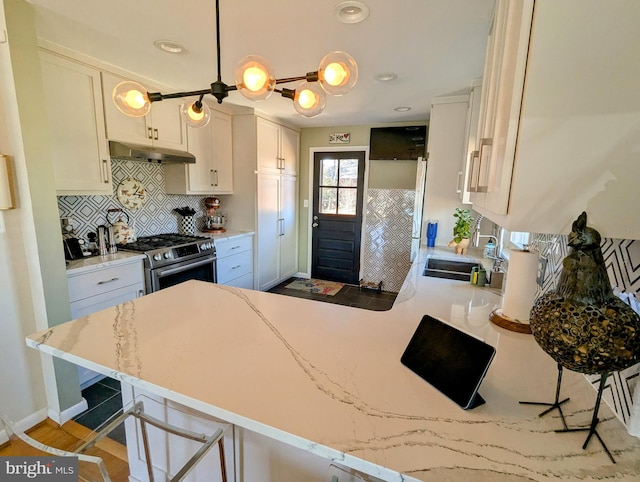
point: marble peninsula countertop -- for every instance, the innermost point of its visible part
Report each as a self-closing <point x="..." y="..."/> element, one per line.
<point x="328" y="379"/>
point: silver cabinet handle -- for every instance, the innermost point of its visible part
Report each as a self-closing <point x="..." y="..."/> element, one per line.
<point x="149" y="132"/>
<point x="458" y="188"/>
<point x="108" y="281"/>
<point x="236" y="266"/>
<point x="485" y="163"/>
<point x="155" y="132"/>
<point x="105" y="169"/>
<point x="236" y="247"/>
<point x="215" y="172"/>
<point x="211" y="173"/>
<point x="474" y="171"/>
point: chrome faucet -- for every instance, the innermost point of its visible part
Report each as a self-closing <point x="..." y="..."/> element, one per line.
<point x="475" y="241"/>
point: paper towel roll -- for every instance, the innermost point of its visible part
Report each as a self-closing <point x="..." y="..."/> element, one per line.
<point x="520" y="288"/>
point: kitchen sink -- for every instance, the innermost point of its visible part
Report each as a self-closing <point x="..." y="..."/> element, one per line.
<point x="449" y="269"/>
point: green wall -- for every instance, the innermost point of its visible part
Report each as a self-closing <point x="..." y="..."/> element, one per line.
<point x="380" y="174"/>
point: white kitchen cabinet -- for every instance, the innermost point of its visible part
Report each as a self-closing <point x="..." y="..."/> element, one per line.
<point x="446" y="147"/>
<point x="212" y="172"/>
<point x="161" y="127"/>
<point x="96" y="289"/>
<point x="265" y="199"/>
<point x="469" y="159"/>
<point x="278" y="148"/>
<point x="277" y="230"/>
<point x="572" y="141"/>
<point x="503" y="82"/>
<point x="235" y="261"/>
<point x="73" y="108"/>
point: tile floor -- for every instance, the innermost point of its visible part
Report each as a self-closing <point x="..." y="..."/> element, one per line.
<point x="105" y="401"/>
<point x="349" y="295"/>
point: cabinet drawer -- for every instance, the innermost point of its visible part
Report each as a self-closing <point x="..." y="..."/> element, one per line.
<point x="245" y="282"/>
<point x="228" y="247"/>
<point x="233" y="267"/>
<point x="104" y="280"/>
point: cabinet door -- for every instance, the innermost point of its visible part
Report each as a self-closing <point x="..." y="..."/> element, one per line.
<point x="288" y="227"/>
<point x="121" y="127"/>
<point x="268" y="255"/>
<point x="167" y="127"/>
<point x="73" y="108"/>
<point x="289" y="149"/>
<point x="500" y="115"/>
<point x="268" y="141"/>
<point x="222" y="153"/>
<point x="200" y="175"/>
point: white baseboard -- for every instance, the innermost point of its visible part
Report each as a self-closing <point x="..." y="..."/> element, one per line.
<point x="24" y="424"/>
<point x="69" y="413"/>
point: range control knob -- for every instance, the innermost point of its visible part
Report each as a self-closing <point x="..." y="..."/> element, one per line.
<point x="157" y="257"/>
<point x="167" y="255"/>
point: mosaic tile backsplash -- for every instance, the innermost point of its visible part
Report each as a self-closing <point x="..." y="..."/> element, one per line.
<point x="155" y="217"/>
<point x="387" y="239"/>
<point x="622" y="258"/>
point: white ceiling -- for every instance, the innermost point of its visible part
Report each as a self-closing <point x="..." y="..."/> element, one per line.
<point x="436" y="47"/>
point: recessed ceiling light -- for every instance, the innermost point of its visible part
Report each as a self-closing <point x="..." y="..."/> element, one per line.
<point x="402" y="109"/>
<point x="386" y="76"/>
<point x="169" y="46"/>
<point x="351" y="11"/>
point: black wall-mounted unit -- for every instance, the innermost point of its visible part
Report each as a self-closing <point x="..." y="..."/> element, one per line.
<point x="397" y="143"/>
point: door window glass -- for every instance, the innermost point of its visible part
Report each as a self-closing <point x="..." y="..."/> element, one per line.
<point x="338" y="186"/>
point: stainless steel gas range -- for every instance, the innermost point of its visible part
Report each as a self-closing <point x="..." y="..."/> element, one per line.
<point x="174" y="258"/>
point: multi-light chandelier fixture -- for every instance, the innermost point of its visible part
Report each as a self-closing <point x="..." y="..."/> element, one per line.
<point x="254" y="78"/>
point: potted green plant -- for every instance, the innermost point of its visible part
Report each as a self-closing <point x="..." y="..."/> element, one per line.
<point x="461" y="230"/>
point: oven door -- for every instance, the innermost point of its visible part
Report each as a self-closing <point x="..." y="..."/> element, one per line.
<point x="203" y="269"/>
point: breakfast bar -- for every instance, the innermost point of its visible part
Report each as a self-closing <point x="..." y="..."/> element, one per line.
<point x="323" y="384"/>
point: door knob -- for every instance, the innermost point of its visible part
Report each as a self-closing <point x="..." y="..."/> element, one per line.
<point x="314" y="225"/>
<point x="315" y="218"/>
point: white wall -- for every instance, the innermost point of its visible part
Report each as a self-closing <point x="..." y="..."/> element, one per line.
<point x="33" y="292"/>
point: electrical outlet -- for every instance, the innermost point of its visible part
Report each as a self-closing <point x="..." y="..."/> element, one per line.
<point x="542" y="269"/>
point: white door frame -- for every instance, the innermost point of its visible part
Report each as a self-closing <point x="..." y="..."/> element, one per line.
<point x="312" y="151"/>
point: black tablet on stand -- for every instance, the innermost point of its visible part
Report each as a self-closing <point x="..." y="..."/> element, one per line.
<point x="451" y="360"/>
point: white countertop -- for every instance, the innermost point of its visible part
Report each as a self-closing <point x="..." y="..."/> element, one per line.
<point x="90" y="263"/>
<point x="328" y="379"/>
<point x="228" y="234"/>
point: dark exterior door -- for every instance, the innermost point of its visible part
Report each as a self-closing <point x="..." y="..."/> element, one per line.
<point x="338" y="181"/>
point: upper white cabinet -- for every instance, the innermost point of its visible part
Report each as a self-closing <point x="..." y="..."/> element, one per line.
<point x="571" y="138"/>
<point x="212" y="172"/>
<point x="73" y="107"/>
<point x="162" y="127"/>
<point x="470" y="155"/>
<point x="504" y="73"/>
<point x="278" y="148"/>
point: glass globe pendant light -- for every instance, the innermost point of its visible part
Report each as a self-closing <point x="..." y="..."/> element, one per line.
<point x="195" y="114"/>
<point x="337" y="73"/>
<point x="131" y="99"/>
<point x="254" y="78"/>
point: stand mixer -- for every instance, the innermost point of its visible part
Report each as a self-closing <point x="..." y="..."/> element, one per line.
<point x="213" y="221"/>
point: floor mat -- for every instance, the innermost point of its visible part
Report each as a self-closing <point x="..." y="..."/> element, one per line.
<point x="329" y="288"/>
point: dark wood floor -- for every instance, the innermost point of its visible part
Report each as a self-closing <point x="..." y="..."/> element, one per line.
<point x="349" y="295"/>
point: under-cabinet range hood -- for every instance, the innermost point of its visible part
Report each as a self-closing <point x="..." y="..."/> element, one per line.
<point x="140" y="153"/>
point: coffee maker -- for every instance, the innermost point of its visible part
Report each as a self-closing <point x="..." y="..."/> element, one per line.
<point x="213" y="220"/>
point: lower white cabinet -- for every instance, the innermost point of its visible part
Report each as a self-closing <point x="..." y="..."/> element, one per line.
<point x="100" y="288"/>
<point x="249" y="456"/>
<point x="235" y="261"/>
